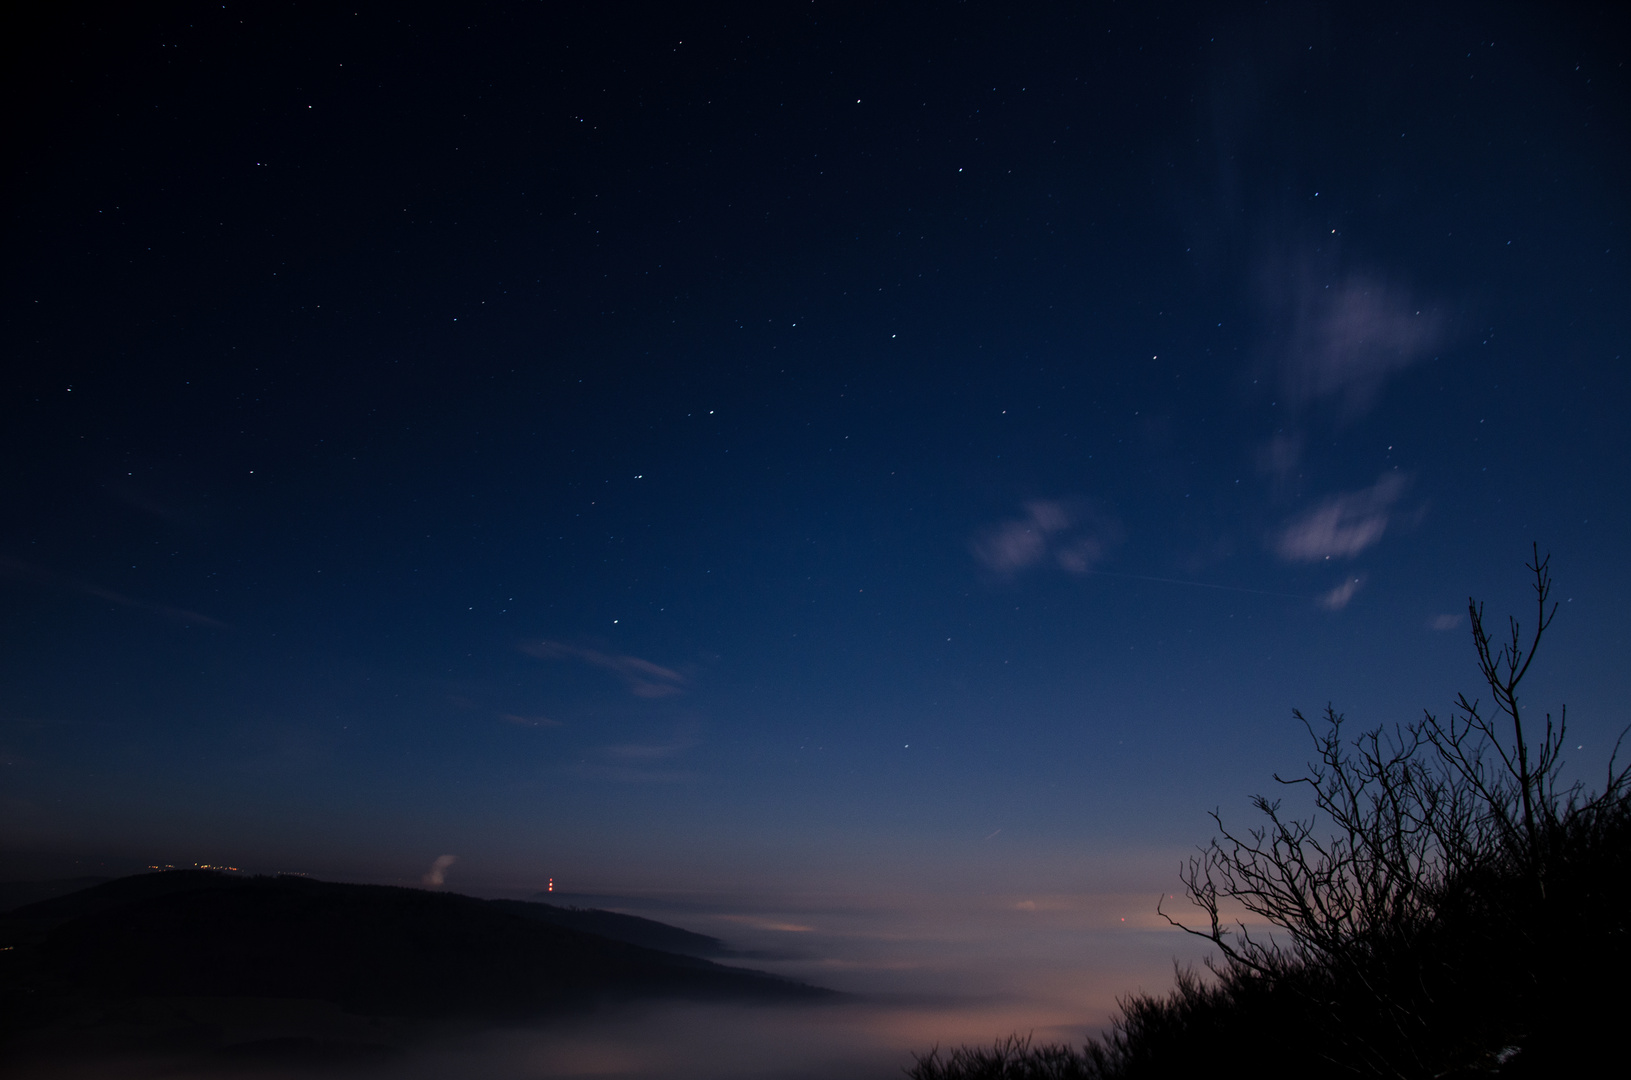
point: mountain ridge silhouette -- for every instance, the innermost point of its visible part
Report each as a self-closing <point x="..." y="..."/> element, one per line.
<point x="372" y="950"/>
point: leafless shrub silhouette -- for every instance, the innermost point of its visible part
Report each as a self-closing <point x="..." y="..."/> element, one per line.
<point x="1438" y="914"/>
<point x="1013" y="1058"/>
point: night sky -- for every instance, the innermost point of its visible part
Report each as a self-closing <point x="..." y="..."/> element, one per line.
<point x="906" y="449"/>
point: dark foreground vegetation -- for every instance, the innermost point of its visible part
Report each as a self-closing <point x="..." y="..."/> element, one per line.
<point x="1450" y="909"/>
<point x="121" y="961"/>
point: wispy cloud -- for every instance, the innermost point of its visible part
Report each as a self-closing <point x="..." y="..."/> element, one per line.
<point x="1447" y="622"/>
<point x="644" y="751"/>
<point x="636" y="774"/>
<point x="528" y="721"/>
<point x="436" y="876"/>
<point x="22" y="571"/>
<point x="179" y="614"/>
<point x="1012" y="545"/>
<point x="1068" y="534"/>
<point x="1343" y="336"/>
<point x="642" y="762"/>
<point x="644" y="678"/>
<point x="1280" y="456"/>
<point x="1343" y="525"/>
<point x="760" y="923"/>
<point x="1338" y="598"/>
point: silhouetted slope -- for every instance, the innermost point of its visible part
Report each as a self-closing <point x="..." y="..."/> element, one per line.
<point x="15" y="894"/>
<point x="371" y="949"/>
<point x="630" y="928"/>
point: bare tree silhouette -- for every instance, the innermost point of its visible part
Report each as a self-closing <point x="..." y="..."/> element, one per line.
<point x="1428" y="918"/>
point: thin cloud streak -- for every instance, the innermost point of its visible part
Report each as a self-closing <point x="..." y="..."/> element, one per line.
<point x="641" y="763"/>
<point x="644" y="678"/>
<point x="18" y="570"/>
<point x="181" y="614"/>
<point x="647" y="751"/>
<point x="627" y="774"/>
<point x="529" y="721"/>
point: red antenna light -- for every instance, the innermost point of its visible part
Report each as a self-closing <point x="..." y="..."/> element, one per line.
<point x="551" y="884"/>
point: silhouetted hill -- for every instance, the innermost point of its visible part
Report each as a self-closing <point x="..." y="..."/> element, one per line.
<point x="375" y="950"/>
<point x="15" y="894"/>
<point x="630" y="928"/>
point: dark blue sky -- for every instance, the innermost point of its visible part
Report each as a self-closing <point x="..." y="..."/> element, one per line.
<point x="748" y="446"/>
